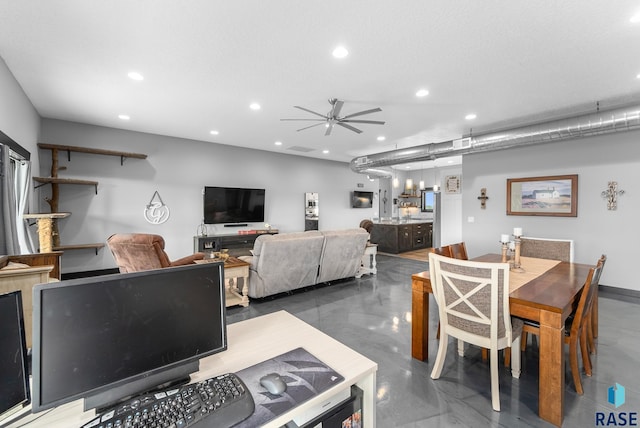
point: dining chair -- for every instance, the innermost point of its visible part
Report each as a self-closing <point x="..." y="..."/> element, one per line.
<point x="593" y="330"/>
<point x="577" y="326"/>
<point x="473" y="304"/>
<point x="546" y="248"/>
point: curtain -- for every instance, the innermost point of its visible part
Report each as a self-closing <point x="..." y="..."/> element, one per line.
<point x="14" y="195"/>
<point x="22" y="175"/>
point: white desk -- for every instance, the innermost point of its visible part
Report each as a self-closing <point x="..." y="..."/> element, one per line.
<point x="251" y="342"/>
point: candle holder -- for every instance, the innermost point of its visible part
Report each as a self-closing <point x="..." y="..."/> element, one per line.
<point x="505" y="247"/>
<point x="516" y="258"/>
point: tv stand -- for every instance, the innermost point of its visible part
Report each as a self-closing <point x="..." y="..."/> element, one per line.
<point x="263" y="333"/>
<point x="238" y="244"/>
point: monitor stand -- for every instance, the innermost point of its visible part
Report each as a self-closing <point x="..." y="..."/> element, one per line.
<point x="107" y="399"/>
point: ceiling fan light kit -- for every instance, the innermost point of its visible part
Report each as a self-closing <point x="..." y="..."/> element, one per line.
<point x="333" y="118"/>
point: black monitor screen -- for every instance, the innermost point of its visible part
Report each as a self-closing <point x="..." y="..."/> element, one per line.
<point x="94" y="334"/>
<point x="233" y="205"/>
<point x="14" y="375"/>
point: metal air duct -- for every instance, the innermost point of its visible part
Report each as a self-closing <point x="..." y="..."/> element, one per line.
<point x="600" y="122"/>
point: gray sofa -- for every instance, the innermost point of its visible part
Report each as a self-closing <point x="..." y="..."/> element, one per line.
<point x="289" y="261"/>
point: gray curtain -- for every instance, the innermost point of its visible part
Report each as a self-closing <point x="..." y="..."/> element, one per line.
<point x="14" y="194"/>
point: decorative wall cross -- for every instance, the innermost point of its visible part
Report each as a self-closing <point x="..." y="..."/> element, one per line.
<point x="483" y="198"/>
<point x="611" y="195"/>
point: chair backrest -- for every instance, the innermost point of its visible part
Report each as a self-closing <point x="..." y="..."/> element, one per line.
<point x="473" y="299"/>
<point x="545" y="248"/>
<point x="587" y="297"/>
<point x="135" y="252"/>
<point x="367" y="225"/>
<point x="459" y="251"/>
<point x="456" y="251"/>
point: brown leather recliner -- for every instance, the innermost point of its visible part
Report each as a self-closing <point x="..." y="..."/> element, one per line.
<point x="140" y="251"/>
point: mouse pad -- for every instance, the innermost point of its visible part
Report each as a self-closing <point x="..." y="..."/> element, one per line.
<point x="304" y="374"/>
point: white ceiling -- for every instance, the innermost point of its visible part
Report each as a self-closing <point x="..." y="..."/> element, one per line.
<point x="205" y="61"/>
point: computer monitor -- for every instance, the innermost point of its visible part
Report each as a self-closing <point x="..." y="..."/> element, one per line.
<point x="14" y="372"/>
<point x="109" y="338"/>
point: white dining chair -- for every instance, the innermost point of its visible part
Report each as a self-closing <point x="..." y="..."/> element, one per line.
<point x="547" y="248"/>
<point x="473" y="304"/>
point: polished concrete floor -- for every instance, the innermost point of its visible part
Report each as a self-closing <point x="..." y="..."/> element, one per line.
<point x="373" y="316"/>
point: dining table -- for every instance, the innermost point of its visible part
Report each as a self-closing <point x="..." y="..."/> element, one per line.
<point x="540" y="290"/>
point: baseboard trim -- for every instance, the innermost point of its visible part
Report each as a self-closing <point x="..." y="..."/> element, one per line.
<point x="619" y="293"/>
<point x="89" y="273"/>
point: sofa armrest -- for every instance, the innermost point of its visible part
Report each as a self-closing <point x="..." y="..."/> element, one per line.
<point x="188" y="259"/>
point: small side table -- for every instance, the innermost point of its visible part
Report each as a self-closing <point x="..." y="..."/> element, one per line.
<point x="234" y="269"/>
<point x="368" y="263"/>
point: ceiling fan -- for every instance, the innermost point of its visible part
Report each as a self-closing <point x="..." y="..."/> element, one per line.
<point x="333" y="117"/>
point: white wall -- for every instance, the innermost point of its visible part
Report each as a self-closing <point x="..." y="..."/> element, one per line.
<point x="18" y="118"/>
<point x="178" y="169"/>
<point x="597" y="160"/>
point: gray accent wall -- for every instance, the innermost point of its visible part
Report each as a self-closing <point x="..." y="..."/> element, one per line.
<point x="596" y="230"/>
<point x="179" y="169"/>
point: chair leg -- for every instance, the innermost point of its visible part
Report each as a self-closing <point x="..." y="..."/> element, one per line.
<point x="507" y="356"/>
<point x="442" y="353"/>
<point x="484" y="354"/>
<point x="584" y="349"/>
<point x="515" y="357"/>
<point x="461" y="348"/>
<point x="495" y="383"/>
<point x="573" y="362"/>
<point x="590" y="338"/>
<point x="594" y="314"/>
<point x="523" y="341"/>
<point x="438" y="331"/>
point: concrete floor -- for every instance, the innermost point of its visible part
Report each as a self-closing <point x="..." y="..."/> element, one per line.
<point x="373" y="316"/>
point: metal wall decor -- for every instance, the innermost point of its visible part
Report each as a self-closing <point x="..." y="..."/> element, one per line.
<point x="483" y="198"/>
<point x="156" y="212"/>
<point x="611" y="195"/>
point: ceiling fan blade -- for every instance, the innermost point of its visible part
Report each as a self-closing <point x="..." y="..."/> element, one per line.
<point x="360" y="113"/>
<point x="335" y="110"/>
<point x="371" y="122"/>
<point x="349" y="127"/>
<point x="310" y="111"/>
<point x="329" y="129"/>
<point x="308" y="120"/>
<point x="311" y="126"/>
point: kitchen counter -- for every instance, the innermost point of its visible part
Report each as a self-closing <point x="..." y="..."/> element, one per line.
<point x="399" y="236"/>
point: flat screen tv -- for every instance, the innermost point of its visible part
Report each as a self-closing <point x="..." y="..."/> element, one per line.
<point x="109" y="338"/>
<point x="233" y="205"/>
<point x="361" y="199"/>
<point x="14" y="369"/>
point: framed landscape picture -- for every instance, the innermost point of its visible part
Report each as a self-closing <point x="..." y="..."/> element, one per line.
<point x="547" y="196"/>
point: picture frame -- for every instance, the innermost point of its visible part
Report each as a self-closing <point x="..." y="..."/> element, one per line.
<point x="553" y="195"/>
<point x="452" y="184"/>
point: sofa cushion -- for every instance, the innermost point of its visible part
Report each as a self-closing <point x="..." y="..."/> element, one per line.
<point x="342" y="253"/>
<point x="284" y="262"/>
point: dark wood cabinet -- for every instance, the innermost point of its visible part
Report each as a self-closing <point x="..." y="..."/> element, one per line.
<point x="397" y="238"/>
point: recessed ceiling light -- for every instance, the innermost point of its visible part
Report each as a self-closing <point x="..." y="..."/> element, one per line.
<point x="381" y="138"/>
<point x="340" y="52"/>
<point x="123" y="117"/>
<point x="408" y="167"/>
<point x="638" y="76"/>
<point x="134" y="75"/>
<point x="470" y="116"/>
<point x="214" y="132"/>
<point x="278" y="143"/>
<point x="254" y="106"/>
<point x="325" y="152"/>
<point x="422" y="93"/>
<point x="635" y="18"/>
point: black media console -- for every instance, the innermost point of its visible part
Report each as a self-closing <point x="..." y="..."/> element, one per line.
<point x="238" y="244"/>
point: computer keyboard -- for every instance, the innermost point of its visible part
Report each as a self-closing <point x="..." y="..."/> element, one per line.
<point x="221" y="401"/>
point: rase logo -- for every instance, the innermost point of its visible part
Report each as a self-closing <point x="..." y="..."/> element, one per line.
<point x="616" y="396"/>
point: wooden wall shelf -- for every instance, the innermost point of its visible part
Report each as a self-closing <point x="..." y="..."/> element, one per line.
<point x="52" y="241"/>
